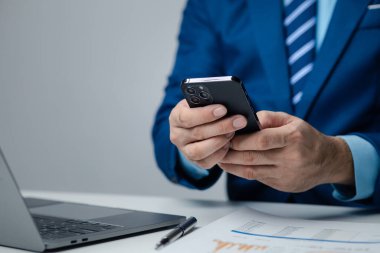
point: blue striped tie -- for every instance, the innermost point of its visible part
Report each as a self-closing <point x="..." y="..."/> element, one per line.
<point x="299" y="23"/>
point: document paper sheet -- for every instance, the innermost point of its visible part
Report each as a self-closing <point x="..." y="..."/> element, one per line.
<point x="251" y="231"/>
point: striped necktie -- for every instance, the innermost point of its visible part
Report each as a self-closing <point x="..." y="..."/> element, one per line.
<point x="299" y="24"/>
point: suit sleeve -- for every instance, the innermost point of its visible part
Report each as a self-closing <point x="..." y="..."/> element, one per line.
<point x="198" y="55"/>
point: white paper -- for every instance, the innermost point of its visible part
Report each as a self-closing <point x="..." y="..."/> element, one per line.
<point x="248" y="230"/>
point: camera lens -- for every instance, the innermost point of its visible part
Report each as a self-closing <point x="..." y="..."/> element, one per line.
<point x="195" y="100"/>
<point x="190" y="91"/>
<point x="204" y="95"/>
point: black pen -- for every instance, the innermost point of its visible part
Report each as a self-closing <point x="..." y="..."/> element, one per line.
<point x="177" y="232"/>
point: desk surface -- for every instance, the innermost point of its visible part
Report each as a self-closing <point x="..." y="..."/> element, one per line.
<point x="205" y="211"/>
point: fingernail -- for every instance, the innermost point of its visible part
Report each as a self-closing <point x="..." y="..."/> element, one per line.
<point x="230" y="135"/>
<point x="239" y="123"/>
<point x="220" y="111"/>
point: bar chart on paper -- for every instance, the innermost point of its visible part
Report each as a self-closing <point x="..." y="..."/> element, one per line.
<point x="248" y="230"/>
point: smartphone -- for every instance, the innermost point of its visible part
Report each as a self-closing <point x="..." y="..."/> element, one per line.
<point x="226" y="90"/>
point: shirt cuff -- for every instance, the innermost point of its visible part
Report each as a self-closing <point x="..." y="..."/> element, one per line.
<point x="191" y="169"/>
<point x="366" y="169"/>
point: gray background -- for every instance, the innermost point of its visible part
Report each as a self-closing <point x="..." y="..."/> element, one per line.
<point x="80" y="81"/>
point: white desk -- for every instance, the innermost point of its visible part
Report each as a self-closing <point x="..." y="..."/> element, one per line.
<point x="204" y="211"/>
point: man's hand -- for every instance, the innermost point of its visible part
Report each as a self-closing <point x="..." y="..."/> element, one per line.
<point x="201" y="134"/>
<point x="289" y="155"/>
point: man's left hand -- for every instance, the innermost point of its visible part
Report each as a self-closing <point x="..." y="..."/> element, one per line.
<point x="289" y="155"/>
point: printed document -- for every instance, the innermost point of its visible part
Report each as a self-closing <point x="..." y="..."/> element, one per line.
<point x="248" y="230"/>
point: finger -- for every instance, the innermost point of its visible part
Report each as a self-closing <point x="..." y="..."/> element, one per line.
<point x="200" y="150"/>
<point x="185" y="117"/>
<point x="249" y="158"/>
<point x="221" y="127"/>
<point x="266" y="139"/>
<point x="228" y="126"/>
<point x="269" y="119"/>
<point x="214" y="158"/>
<point x="249" y="172"/>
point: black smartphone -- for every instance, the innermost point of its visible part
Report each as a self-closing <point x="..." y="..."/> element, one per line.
<point x="226" y="90"/>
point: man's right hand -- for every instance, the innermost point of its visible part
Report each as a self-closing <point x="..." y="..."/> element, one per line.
<point x="201" y="134"/>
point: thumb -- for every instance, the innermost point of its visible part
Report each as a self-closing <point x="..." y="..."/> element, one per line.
<point x="270" y="119"/>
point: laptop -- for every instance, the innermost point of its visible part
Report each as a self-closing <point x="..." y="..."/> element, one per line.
<point x="40" y="225"/>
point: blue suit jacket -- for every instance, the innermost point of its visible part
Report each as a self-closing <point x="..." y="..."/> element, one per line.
<point x="245" y="38"/>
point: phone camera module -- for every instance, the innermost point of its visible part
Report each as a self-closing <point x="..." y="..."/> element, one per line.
<point x="204" y="95"/>
<point x="195" y="100"/>
<point x="191" y="91"/>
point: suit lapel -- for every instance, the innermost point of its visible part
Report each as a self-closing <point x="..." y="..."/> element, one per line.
<point x="268" y="30"/>
<point x="345" y="19"/>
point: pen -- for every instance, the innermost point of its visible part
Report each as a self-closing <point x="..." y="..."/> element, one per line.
<point x="177" y="232"/>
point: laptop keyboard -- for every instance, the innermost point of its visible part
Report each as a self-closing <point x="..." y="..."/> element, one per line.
<point x="52" y="228"/>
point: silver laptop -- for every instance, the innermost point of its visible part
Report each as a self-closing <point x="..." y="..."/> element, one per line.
<point x="39" y="225"/>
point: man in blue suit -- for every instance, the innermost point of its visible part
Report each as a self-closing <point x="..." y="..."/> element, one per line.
<point x="312" y="69"/>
